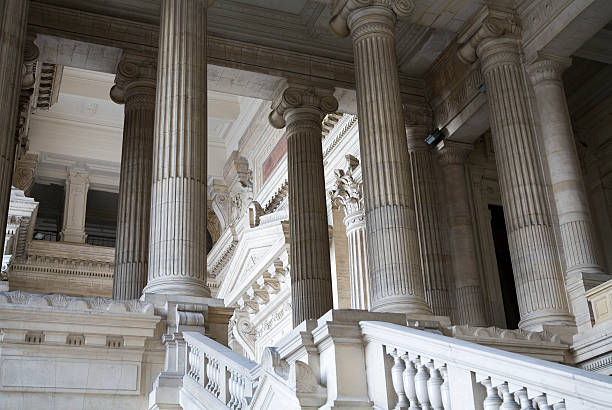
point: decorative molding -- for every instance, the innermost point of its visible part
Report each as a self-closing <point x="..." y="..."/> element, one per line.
<point x="345" y="129"/>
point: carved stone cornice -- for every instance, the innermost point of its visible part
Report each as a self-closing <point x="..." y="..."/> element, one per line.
<point x="347" y="192"/>
<point x="342" y="10"/>
<point x="548" y="68"/>
<point x="453" y="153"/>
<point x="297" y="96"/>
<point x="491" y="27"/>
<point x="136" y="76"/>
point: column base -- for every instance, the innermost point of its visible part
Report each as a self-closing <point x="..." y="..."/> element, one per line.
<point x="180" y="286"/>
<point x="402" y="304"/>
<point x="541" y="320"/>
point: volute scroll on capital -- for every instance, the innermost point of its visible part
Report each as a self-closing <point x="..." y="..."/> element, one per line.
<point x="134" y="73"/>
<point x="342" y="9"/>
<point x="292" y="97"/>
<point x="491" y="27"/>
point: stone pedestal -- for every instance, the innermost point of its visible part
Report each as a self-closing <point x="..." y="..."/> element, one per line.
<point x="75" y="206"/>
<point x="177" y="240"/>
<point x="468" y="288"/>
<point x="559" y="147"/>
<point x="434" y="257"/>
<point x="393" y="249"/>
<point x="301" y="109"/>
<point x="134" y="87"/>
<point x="347" y="195"/>
<point x="537" y="272"/>
<point x="13" y="26"/>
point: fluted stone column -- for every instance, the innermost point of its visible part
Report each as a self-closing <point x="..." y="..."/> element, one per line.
<point x="577" y="235"/>
<point x="393" y="249"/>
<point x="75" y="206"/>
<point x="537" y="271"/>
<point x="468" y="289"/>
<point x="13" y="26"/>
<point x="177" y="239"/>
<point x="301" y="110"/>
<point x="434" y="258"/>
<point x="347" y="194"/>
<point x="134" y="87"/>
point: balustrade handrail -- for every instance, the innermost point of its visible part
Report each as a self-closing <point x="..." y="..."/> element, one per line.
<point x="592" y="390"/>
<point x="222" y="353"/>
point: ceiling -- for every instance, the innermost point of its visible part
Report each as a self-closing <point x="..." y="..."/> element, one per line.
<point x="302" y="25"/>
<point x="85" y="129"/>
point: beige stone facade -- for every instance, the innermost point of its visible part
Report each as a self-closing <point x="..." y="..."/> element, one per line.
<point x="368" y="204"/>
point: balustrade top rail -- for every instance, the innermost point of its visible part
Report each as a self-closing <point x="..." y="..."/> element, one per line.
<point x="592" y="389"/>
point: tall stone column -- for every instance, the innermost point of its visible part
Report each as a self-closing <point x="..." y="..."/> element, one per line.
<point x="468" y="288"/>
<point x="393" y="248"/>
<point x="434" y="259"/>
<point x="301" y="110"/>
<point x="177" y="239"/>
<point x="577" y="235"/>
<point x="537" y="272"/>
<point x="347" y="194"/>
<point x="134" y="87"/>
<point x="75" y="206"/>
<point x="13" y="26"/>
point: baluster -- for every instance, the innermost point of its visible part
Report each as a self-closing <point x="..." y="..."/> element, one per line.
<point x="492" y="401"/>
<point x="433" y="387"/>
<point x="420" y="383"/>
<point x="409" y="387"/>
<point x="209" y="374"/>
<point x="524" y="400"/>
<point x="445" y="388"/>
<point x="508" y="399"/>
<point x="203" y="363"/>
<point x="398" y="384"/>
<point x="240" y="392"/>
<point x="542" y="403"/>
<point x="217" y="371"/>
<point x="232" y="390"/>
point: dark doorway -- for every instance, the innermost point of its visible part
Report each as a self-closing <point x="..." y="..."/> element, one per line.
<point x="504" y="266"/>
<point x="50" y="211"/>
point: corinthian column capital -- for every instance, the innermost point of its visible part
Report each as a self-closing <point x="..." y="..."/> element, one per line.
<point x="343" y="11"/>
<point x="347" y="192"/>
<point x="548" y="68"/>
<point x="318" y="101"/>
<point x="135" y="76"/>
<point x="492" y="27"/>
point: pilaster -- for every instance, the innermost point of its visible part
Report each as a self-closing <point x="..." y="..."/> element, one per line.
<point x="468" y="287"/>
<point x="393" y="249"/>
<point x="75" y="206"/>
<point x="301" y="108"/>
<point x="134" y="87"/>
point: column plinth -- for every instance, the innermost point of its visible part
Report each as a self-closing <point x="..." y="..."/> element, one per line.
<point x="393" y="249"/>
<point x="577" y="236"/>
<point x="13" y="27"/>
<point x="537" y="271"/>
<point x="347" y="195"/>
<point x="468" y="288"/>
<point x="301" y="110"/>
<point x="134" y="87"/>
<point x="177" y="239"/>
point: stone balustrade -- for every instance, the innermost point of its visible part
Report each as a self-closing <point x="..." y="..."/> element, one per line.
<point x="215" y="376"/>
<point x="434" y="371"/>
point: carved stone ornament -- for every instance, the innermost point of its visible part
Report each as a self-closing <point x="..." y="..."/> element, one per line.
<point x="300" y="96"/>
<point x="347" y="193"/>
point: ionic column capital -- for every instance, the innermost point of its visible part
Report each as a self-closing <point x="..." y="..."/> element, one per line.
<point x="493" y="27"/>
<point x="347" y="15"/>
<point x="309" y="100"/>
<point x="548" y="68"/>
<point x="136" y="75"/>
<point x="453" y="152"/>
<point x="347" y="192"/>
